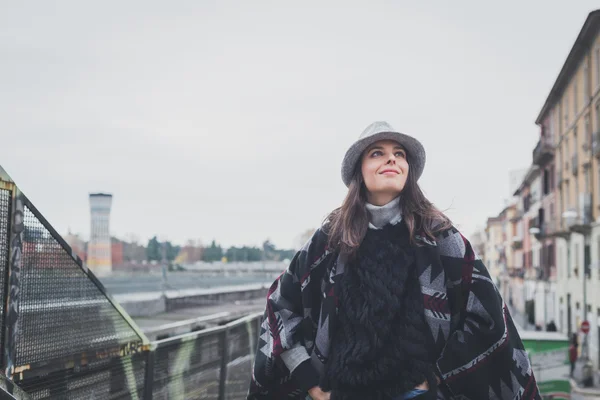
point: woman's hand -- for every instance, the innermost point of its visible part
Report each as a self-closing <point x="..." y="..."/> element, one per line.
<point x="423" y="386"/>
<point x="317" y="394"/>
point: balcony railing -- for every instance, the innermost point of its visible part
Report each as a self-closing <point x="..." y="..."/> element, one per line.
<point x="517" y="216"/>
<point x="517" y="242"/>
<point x="554" y="228"/>
<point x="543" y="152"/>
<point x="581" y="217"/>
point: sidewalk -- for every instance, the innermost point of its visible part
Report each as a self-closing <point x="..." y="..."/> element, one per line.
<point x="578" y="379"/>
<point x="579" y="392"/>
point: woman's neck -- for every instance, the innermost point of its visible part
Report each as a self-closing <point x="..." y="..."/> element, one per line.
<point x="381" y="215"/>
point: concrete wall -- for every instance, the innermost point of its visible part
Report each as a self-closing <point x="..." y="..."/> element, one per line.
<point x="150" y="304"/>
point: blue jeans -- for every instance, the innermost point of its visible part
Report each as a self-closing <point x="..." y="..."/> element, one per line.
<point x="412" y="394"/>
<point x="406" y="396"/>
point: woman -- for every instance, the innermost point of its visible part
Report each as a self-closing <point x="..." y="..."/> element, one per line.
<point x="573" y="352"/>
<point x="388" y="300"/>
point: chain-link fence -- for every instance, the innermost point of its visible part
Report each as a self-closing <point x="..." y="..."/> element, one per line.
<point x="63" y="337"/>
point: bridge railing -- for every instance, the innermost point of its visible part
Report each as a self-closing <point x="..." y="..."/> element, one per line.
<point x="62" y="336"/>
<point x="211" y="364"/>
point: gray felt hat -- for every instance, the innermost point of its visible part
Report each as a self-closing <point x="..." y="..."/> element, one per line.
<point x="375" y="132"/>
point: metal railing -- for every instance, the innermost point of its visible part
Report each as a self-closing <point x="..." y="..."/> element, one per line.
<point x="210" y="364"/>
<point x="64" y="337"/>
<point x="543" y="151"/>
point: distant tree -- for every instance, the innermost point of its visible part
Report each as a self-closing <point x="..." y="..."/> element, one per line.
<point x="269" y="249"/>
<point x="212" y="253"/>
<point x="171" y="251"/>
<point x="153" y="250"/>
<point x="243" y="254"/>
<point x="286" y="254"/>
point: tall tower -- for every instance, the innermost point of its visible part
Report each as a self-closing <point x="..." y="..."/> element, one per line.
<point x="99" y="257"/>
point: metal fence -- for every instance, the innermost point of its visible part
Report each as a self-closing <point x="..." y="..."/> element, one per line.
<point x="210" y="364"/>
<point x="63" y="337"/>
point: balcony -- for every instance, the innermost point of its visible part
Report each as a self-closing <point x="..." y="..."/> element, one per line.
<point x="580" y="219"/>
<point x="543" y="152"/>
<point x="574" y="164"/>
<point x="517" y="216"/>
<point x="517" y="242"/>
<point x="516" y="272"/>
<point x="554" y="228"/>
<point x="596" y="145"/>
<point x="541" y="274"/>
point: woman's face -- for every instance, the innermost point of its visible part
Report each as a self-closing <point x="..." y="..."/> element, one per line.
<point x="385" y="170"/>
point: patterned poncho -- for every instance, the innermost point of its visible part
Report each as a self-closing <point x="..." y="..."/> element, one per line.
<point x="481" y="355"/>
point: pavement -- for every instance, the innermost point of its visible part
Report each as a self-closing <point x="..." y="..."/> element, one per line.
<point x="190" y="319"/>
<point x="592" y="392"/>
<point x="124" y="284"/>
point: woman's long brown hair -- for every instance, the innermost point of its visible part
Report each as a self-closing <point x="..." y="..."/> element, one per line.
<point x="347" y="225"/>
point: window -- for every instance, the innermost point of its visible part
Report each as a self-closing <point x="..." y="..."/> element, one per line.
<point x="588" y="131"/>
<point x="567" y="154"/>
<point x="559" y="163"/>
<point x="599" y="180"/>
<point x="559" y="116"/>
<point x="576" y="260"/>
<point x="551" y="127"/>
<point x="588" y="179"/>
<point x="575" y="102"/>
<point x="597" y="53"/>
<point x="598" y="251"/>
<point x="587" y="255"/>
<point x="587" y="174"/>
<point x="598" y="116"/>
<point x="566" y="110"/>
<point x="568" y="265"/>
<point x="586" y="72"/>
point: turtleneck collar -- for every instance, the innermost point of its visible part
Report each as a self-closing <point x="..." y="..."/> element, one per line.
<point x="386" y="214"/>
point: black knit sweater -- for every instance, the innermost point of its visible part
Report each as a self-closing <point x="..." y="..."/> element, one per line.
<point x="380" y="349"/>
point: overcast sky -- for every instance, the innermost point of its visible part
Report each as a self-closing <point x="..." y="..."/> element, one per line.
<point x="229" y="119"/>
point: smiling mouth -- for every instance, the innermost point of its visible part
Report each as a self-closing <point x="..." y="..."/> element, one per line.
<point x="390" y="171"/>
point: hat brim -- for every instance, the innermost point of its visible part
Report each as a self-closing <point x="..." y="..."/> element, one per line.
<point x="414" y="148"/>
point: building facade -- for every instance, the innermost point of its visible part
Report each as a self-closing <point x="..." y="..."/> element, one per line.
<point x="99" y="247"/>
<point x="558" y="201"/>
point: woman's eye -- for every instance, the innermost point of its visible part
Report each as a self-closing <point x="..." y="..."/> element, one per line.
<point x="376" y="153"/>
<point x="400" y="154"/>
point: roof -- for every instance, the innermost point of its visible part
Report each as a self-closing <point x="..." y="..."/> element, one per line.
<point x="100" y="195"/>
<point x="586" y="35"/>
<point x="531" y="174"/>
